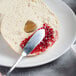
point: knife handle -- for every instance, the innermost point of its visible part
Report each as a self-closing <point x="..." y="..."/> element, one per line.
<point x="13" y="67"/>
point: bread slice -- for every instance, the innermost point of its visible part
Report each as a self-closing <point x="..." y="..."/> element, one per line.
<point x="18" y="13"/>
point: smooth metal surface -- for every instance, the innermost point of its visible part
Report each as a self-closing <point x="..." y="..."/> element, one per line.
<point x="34" y="41"/>
<point x="13" y="67"/>
<point x="31" y="44"/>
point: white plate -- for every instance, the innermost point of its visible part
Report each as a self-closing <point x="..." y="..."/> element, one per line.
<point x="66" y="38"/>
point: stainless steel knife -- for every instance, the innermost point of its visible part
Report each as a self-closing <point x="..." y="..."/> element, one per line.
<point x="32" y="43"/>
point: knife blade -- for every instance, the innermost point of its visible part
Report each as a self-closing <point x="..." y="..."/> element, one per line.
<point x="34" y="41"/>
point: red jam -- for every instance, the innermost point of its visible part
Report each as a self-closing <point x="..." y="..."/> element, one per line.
<point x="47" y="41"/>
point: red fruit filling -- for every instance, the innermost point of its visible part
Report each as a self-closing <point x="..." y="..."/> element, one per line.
<point x="47" y="41"/>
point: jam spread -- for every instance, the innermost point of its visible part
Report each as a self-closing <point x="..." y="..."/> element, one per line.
<point x="47" y="41"/>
